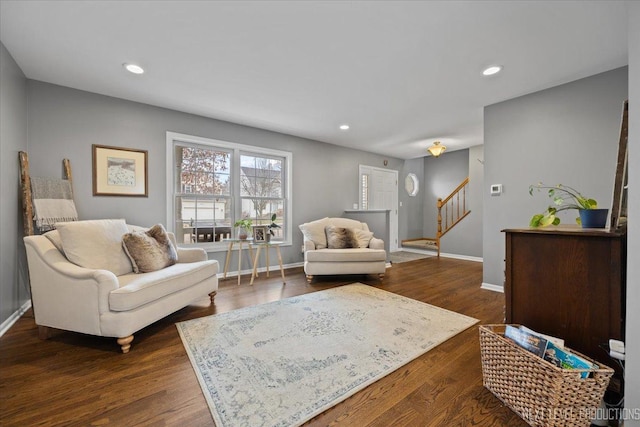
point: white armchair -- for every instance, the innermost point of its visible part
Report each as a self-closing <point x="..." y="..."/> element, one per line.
<point x="110" y="301"/>
<point x="325" y="251"/>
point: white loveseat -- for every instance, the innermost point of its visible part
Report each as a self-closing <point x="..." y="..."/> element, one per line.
<point x="323" y="258"/>
<point x="111" y="301"/>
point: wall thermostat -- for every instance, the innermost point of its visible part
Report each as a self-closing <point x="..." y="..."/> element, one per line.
<point x="496" y="189"/>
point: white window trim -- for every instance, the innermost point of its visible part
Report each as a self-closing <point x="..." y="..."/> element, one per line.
<point x="170" y="163"/>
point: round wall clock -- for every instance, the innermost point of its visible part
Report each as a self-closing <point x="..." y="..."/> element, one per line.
<point x="411" y="184"/>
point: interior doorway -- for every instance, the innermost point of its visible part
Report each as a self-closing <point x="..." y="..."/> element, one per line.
<point x="379" y="190"/>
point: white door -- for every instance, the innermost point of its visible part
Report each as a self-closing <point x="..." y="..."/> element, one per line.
<point x="379" y="189"/>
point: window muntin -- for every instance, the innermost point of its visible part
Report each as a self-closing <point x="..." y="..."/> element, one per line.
<point x="216" y="182"/>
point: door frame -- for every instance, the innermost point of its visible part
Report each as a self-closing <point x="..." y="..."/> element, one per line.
<point x="393" y="212"/>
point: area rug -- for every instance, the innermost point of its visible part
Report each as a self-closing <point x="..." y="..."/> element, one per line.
<point x="405" y="256"/>
<point x="284" y="362"/>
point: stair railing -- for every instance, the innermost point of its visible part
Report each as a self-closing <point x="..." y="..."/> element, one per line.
<point x="455" y="209"/>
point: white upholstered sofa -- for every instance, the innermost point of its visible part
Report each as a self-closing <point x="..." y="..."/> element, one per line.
<point x="325" y="252"/>
<point x="103" y="296"/>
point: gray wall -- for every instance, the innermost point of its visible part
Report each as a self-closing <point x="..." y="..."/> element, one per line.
<point x="632" y="387"/>
<point x="441" y="176"/>
<point x="411" y="213"/>
<point x="64" y="122"/>
<point x="567" y="134"/>
<point x="13" y="138"/>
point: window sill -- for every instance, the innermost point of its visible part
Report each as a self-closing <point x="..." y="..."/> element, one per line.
<point x="223" y="246"/>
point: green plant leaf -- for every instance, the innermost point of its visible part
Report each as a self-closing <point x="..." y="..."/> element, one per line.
<point x="535" y="220"/>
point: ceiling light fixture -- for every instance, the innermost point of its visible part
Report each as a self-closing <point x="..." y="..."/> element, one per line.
<point x="490" y="71"/>
<point x="436" y="149"/>
<point x="133" y="68"/>
<point x="344" y="127"/>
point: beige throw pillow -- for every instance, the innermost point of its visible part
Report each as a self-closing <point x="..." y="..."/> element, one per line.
<point x="363" y="237"/>
<point x="314" y="231"/>
<point x="340" y="238"/>
<point x="95" y="244"/>
<point x="149" y="250"/>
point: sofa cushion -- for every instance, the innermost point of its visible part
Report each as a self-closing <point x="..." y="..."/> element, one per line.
<point x="346" y="255"/>
<point x="54" y="237"/>
<point x="149" y="250"/>
<point x="96" y="244"/>
<point x="364" y="237"/>
<point x="314" y="231"/>
<point x="138" y="289"/>
<point x="340" y="237"/>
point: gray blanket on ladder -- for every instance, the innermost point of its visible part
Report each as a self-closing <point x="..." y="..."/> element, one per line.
<point x="52" y="202"/>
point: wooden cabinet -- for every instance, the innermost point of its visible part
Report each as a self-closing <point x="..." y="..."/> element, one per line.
<point x="568" y="282"/>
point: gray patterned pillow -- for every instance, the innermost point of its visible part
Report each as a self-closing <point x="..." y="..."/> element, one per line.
<point x="340" y="238"/>
<point x="149" y="250"/>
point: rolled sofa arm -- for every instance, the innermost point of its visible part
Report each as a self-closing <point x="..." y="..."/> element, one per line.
<point x="376" y="243"/>
<point x="66" y="296"/>
<point x="186" y="255"/>
<point x="309" y="245"/>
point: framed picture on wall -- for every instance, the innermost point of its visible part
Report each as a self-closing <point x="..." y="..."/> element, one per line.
<point x="119" y="171"/>
<point x="259" y="234"/>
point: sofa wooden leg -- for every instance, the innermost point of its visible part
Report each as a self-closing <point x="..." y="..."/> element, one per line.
<point x="381" y="276"/>
<point x="125" y="343"/>
<point x="309" y="278"/>
<point x="44" y="332"/>
<point x="212" y="296"/>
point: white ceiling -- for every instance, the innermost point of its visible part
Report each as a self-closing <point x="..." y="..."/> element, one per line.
<point x="402" y="74"/>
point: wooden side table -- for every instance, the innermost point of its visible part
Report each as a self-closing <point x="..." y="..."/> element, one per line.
<point x="266" y="245"/>
<point x="240" y="243"/>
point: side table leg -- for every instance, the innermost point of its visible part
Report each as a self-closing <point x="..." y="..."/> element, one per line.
<point x="254" y="274"/>
<point x="267" y="250"/>
<point x="226" y="262"/>
<point x="280" y="262"/>
<point x="239" y="262"/>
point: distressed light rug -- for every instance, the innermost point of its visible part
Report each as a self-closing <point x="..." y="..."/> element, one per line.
<point x="284" y="362"/>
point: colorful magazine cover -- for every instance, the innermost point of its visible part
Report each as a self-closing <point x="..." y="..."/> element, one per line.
<point x="531" y="342"/>
<point x="566" y="360"/>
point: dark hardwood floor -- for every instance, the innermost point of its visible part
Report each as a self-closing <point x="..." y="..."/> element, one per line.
<point x="73" y="379"/>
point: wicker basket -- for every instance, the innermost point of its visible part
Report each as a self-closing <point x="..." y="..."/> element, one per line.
<point x="540" y="392"/>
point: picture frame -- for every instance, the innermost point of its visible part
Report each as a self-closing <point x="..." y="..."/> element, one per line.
<point x="119" y="171"/>
<point x="260" y="234"/>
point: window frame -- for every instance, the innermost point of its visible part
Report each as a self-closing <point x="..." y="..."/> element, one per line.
<point x="174" y="138"/>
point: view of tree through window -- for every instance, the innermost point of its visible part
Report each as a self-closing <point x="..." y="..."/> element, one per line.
<point x="212" y="191"/>
<point x="261" y="189"/>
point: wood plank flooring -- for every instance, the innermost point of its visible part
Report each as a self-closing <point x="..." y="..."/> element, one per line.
<point x="79" y="380"/>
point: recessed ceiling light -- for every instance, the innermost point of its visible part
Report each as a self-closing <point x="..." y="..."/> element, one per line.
<point x="133" y="68"/>
<point x="344" y="127"/>
<point x="490" y="71"/>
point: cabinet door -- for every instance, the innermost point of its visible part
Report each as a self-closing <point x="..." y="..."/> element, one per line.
<point x="567" y="286"/>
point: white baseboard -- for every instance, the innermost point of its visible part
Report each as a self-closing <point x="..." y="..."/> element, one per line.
<point x="443" y="254"/>
<point x="4" y="327"/>
<point x="272" y="268"/>
<point x="492" y="287"/>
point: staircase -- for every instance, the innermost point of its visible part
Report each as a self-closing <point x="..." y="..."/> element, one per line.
<point x="451" y="210"/>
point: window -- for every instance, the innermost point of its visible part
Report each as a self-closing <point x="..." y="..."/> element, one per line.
<point x="215" y="183"/>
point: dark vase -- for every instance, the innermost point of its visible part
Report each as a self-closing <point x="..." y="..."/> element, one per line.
<point x="593" y="218"/>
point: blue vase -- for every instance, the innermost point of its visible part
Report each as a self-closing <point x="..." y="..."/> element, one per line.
<point x="593" y="218"/>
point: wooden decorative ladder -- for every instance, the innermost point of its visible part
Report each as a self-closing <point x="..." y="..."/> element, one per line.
<point x="455" y="210"/>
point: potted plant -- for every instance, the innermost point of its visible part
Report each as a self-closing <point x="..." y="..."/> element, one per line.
<point x="565" y="198"/>
<point x="244" y="226"/>
<point x="271" y="227"/>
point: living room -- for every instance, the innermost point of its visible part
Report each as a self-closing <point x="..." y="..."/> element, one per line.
<point x="522" y="138"/>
